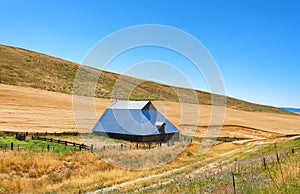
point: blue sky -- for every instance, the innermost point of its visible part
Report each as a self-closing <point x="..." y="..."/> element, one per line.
<point x="255" y="43"/>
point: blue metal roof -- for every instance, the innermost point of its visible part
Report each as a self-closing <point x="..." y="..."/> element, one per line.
<point x="123" y="104"/>
<point x="132" y="122"/>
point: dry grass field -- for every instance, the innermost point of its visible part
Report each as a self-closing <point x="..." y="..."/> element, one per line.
<point x="27" y="68"/>
<point x="33" y="110"/>
<point x="42" y="172"/>
<point x="27" y="109"/>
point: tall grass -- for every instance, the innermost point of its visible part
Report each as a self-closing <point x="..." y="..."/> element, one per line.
<point x="65" y="172"/>
<point x="251" y="176"/>
<point x="30" y="172"/>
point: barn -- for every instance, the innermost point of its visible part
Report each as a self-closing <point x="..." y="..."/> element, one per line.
<point x="136" y="121"/>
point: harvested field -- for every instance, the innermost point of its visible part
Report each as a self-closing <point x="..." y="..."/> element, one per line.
<point x="236" y="123"/>
<point x="33" y="110"/>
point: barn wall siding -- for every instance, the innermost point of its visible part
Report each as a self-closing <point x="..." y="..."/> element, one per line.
<point x="136" y="138"/>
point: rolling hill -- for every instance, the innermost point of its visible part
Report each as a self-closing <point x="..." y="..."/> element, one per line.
<point x="27" y="68"/>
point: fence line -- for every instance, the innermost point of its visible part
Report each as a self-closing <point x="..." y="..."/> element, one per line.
<point x="17" y="147"/>
<point x="103" y="148"/>
<point x="64" y="133"/>
<point x="116" y="147"/>
<point x="80" y="146"/>
<point x="230" y="167"/>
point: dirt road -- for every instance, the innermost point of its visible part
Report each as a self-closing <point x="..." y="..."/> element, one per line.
<point x="168" y="176"/>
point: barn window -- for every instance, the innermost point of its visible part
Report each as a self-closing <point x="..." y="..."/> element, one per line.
<point x="160" y="126"/>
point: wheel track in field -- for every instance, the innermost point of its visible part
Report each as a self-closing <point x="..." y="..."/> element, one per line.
<point x="208" y="163"/>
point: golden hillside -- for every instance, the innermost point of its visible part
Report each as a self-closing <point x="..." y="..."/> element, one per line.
<point x="26" y="68"/>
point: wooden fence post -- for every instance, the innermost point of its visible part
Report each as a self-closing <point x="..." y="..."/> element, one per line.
<point x="233" y="183"/>
<point x="278" y="161"/>
<point x="264" y="162"/>
<point x="277" y="157"/>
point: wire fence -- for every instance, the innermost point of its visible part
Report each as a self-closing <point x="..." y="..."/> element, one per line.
<point x="233" y="174"/>
<point x="32" y="147"/>
<point x="66" y="143"/>
<point x="45" y="133"/>
<point x="54" y="144"/>
<point x="71" y="145"/>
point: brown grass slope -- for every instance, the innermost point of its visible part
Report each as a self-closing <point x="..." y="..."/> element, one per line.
<point x="31" y="69"/>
